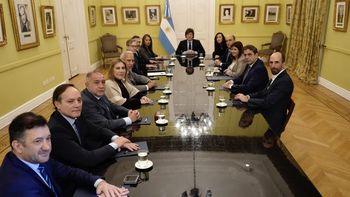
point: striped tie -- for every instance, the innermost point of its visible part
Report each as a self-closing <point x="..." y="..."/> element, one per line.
<point x="46" y="177"/>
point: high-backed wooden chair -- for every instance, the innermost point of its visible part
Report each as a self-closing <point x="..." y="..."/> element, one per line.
<point x="110" y="50"/>
<point x="276" y="44"/>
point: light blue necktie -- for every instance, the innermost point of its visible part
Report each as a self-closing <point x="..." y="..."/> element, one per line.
<point x="46" y="177"/>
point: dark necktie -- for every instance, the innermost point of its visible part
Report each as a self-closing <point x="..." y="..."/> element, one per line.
<point x="46" y="177"/>
<point x="189" y="45"/>
<point x="109" y="113"/>
<point x="76" y="130"/>
<point x="246" y="73"/>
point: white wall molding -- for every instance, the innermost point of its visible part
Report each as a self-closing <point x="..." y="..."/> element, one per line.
<point x="27" y="106"/>
<point x="334" y="88"/>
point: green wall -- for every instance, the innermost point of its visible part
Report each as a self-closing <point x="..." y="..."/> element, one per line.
<point x="25" y="74"/>
<point x="335" y="65"/>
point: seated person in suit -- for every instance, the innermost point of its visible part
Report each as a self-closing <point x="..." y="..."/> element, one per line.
<point x="238" y="65"/>
<point x="27" y="169"/>
<point x="190" y="46"/>
<point x="255" y="76"/>
<point x="226" y="59"/>
<point x="142" y="83"/>
<point x="146" y="50"/>
<point x="99" y="110"/>
<point x="120" y="91"/>
<point x="77" y="142"/>
<point x="272" y="101"/>
<point x="140" y="66"/>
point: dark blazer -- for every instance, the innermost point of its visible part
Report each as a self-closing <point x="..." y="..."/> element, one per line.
<point x="273" y="101"/>
<point x="226" y="60"/>
<point x="146" y="54"/>
<point x="139" y="65"/>
<point x="196" y="46"/>
<point x="66" y="148"/>
<point x="256" y="79"/>
<point x="18" y="179"/>
<point x="103" y="113"/>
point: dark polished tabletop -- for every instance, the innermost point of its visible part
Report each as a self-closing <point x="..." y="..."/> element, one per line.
<point x="203" y="146"/>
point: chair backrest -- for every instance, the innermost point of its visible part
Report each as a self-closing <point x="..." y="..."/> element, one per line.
<point x="109" y="43"/>
<point x="290" y="110"/>
<point x="277" y="41"/>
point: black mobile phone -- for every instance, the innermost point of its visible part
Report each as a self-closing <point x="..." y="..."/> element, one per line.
<point x="131" y="179"/>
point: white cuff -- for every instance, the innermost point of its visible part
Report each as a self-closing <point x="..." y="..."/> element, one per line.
<point x="127" y="121"/>
<point x="98" y="181"/>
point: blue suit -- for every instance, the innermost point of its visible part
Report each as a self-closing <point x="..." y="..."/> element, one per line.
<point x="256" y="79"/>
<point x="19" y="180"/>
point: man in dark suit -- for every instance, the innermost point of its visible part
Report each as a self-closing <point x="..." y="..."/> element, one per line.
<point x="77" y="142"/>
<point x="98" y="110"/>
<point x="27" y="169"/>
<point x="273" y="100"/>
<point x="142" y="83"/>
<point x="255" y="76"/>
<point x="190" y="46"/>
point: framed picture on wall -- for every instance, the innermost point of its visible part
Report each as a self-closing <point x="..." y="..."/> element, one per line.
<point x="227" y="14"/>
<point x="153" y="14"/>
<point x="289" y="12"/>
<point x="250" y="14"/>
<point x="109" y="15"/>
<point x="341" y="12"/>
<point x="3" y="39"/>
<point x="92" y="15"/>
<point x="48" y="21"/>
<point x="272" y="13"/>
<point x="131" y="15"/>
<point x="24" y="23"/>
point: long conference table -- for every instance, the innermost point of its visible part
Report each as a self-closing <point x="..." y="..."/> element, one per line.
<point x="202" y="150"/>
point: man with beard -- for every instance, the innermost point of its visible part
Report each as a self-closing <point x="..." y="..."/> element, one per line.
<point x="273" y="101"/>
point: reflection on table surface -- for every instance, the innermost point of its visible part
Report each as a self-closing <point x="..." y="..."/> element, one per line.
<point x="190" y="101"/>
<point x="202" y="147"/>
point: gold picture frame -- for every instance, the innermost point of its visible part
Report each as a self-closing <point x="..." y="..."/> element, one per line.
<point x="24" y="24"/>
<point x="227" y="14"/>
<point x="289" y="14"/>
<point x="153" y="15"/>
<point x="131" y="15"/>
<point x="109" y="15"/>
<point x="48" y="21"/>
<point x="92" y="15"/>
<point x="272" y="12"/>
<point x="3" y="39"/>
<point x="341" y="14"/>
<point x="250" y="14"/>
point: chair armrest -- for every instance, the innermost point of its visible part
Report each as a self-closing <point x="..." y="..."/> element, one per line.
<point x="119" y="47"/>
<point x="265" y="44"/>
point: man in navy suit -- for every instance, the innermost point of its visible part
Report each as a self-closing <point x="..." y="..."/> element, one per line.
<point x="99" y="110"/>
<point x="273" y="100"/>
<point x="190" y="46"/>
<point x="27" y="169"/>
<point x="224" y="62"/>
<point x="255" y="76"/>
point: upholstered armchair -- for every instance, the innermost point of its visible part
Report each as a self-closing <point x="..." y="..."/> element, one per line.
<point x="110" y="50"/>
<point x="276" y="44"/>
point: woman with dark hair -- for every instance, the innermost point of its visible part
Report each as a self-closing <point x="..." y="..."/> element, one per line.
<point x="220" y="46"/>
<point x="146" y="50"/>
<point x="120" y="91"/>
<point x="238" y="65"/>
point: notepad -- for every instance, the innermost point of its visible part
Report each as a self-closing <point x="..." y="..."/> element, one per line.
<point x="127" y="153"/>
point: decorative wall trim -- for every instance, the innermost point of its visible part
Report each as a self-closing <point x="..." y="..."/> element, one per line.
<point x="27" y="106"/>
<point x="334" y="88"/>
<point x="23" y="62"/>
<point x="339" y="50"/>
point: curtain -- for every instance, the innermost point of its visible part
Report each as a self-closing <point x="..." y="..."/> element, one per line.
<point x="307" y="30"/>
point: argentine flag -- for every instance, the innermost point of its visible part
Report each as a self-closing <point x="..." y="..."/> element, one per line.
<point x="167" y="34"/>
